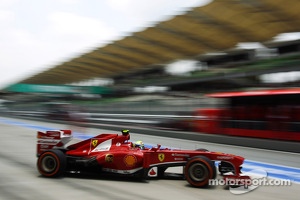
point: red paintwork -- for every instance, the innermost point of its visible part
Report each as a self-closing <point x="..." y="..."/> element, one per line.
<point x="114" y="153"/>
<point x="50" y="139"/>
<point x="121" y="147"/>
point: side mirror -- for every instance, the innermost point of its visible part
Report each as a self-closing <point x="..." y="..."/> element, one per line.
<point x="156" y="148"/>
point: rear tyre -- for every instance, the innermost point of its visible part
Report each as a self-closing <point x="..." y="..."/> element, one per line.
<point x="199" y="170"/>
<point x="52" y="163"/>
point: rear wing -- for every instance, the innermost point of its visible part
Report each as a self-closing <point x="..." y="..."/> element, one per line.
<point x="52" y="139"/>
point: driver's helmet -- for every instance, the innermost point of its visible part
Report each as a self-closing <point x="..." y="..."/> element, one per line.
<point x="139" y="144"/>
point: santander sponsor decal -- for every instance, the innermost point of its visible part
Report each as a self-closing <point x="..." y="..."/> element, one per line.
<point x="152" y="172"/>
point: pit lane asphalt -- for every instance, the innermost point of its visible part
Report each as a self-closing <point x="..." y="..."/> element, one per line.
<point x="19" y="178"/>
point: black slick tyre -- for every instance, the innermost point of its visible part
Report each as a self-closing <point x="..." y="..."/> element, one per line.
<point x="199" y="170"/>
<point x="52" y="163"/>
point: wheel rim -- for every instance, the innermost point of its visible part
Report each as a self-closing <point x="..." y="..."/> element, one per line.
<point x="49" y="164"/>
<point x="198" y="172"/>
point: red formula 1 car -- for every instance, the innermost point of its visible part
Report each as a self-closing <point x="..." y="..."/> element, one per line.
<point x="114" y="153"/>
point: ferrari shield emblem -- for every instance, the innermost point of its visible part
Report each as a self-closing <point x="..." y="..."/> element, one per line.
<point x="161" y="157"/>
<point x="94" y="143"/>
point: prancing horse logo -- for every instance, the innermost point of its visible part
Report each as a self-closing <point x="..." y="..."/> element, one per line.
<point x="94" y="143"/>
<point x="161" y="157"/>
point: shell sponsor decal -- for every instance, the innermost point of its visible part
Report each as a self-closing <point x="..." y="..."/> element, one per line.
<point x="130" y="160"/>
<point x="94" y="142"/>
<point x="109" y="158"/>
<point x="161" y="157"/>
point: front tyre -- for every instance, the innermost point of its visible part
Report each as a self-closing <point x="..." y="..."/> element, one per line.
<point x="52" y="163"/>
<point x="199" y="170"/>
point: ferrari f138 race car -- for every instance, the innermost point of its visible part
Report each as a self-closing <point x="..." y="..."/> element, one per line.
<point x="116" y="154"/>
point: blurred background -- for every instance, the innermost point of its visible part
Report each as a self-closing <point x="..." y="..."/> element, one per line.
<point x="177" y="66"/>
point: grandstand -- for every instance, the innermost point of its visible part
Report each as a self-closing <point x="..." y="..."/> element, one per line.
<point x="206" y="34"/>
